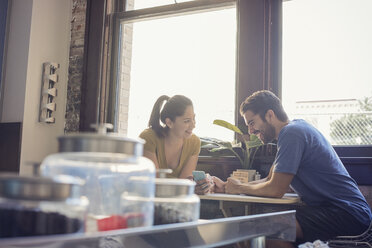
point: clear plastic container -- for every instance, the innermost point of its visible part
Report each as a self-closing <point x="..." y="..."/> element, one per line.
<point x="107" y="177"/>
<point x="32" y="206"/>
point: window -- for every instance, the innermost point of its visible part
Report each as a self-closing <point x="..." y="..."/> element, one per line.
<point x="140" y="4"/>
<point x="192" y="55"/>
<point x="327" y="58"/>
<point x="257" y="63"/>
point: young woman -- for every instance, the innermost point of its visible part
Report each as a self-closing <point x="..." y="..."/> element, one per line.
<point x="170" y="143"/>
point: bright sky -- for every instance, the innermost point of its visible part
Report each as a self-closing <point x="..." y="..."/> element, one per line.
<point x="192" y="55"/>
<point x="327" y="52"/>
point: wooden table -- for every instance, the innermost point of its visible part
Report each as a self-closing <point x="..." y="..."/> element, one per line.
<point x="227" y="201"/>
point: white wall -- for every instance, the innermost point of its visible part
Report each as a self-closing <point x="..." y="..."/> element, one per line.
<point x="39" y="32"/>
<point x="15" y="66"/>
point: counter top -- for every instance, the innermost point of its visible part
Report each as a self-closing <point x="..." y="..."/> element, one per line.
<point x="286" y="199"/>
<point x="202" y="233"/>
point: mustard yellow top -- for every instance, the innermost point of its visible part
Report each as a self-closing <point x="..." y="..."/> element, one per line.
<point x="155" y="144"/>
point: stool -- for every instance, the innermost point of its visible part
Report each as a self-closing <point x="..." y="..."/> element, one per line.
<point x="363" y="240"/>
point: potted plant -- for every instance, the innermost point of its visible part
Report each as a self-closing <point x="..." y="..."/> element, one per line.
<point x="244" y="150"/>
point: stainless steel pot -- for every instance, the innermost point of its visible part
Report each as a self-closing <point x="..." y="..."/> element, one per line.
<point x="33" y="206"/>
<point x="172" y="187"/>
<point x="100" y="141"/>
<point x="57" y="188"/>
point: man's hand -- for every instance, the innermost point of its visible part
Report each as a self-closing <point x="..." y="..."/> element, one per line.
<point x="219" y="185"/>
<point x="233" y="186"/>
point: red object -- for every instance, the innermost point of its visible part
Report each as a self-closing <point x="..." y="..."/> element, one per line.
<point x="111" y="223"/>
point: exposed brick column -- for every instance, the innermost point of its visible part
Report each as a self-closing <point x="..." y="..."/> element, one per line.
<point x="72" y="118"/>
<point x="125" y="72"/>
<point x="76" y="58"/>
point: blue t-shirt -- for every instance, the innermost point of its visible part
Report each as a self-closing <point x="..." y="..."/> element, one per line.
<point x="319" y="175"/>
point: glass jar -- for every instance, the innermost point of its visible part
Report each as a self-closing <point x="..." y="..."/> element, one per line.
<point x="107" y="177"/>
<point x="175" y="201"/>
<point x="31" y="206"/>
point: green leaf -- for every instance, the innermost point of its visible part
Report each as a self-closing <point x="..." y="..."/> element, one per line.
<point x="225" y="144"/>
<point x="218" y="149"/>
<point x="248" y="155"/>
<point x="254" y="141"/>
<point x="227" y="125"/>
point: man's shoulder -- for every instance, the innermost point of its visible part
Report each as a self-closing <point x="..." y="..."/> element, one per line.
<point x="298" y="123"/>
<point x="296" y="131"/>
<point x="298" y="126"/>
<point x="293" y="126"/>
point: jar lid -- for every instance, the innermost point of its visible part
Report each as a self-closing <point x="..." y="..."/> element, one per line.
<point x="173" y="187"/>
<point x="100" y="141"/>
<point x="57" y="188"/>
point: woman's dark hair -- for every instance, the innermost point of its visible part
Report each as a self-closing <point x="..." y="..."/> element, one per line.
<point x="260" y="102"/>
<point x="175" y="106"/>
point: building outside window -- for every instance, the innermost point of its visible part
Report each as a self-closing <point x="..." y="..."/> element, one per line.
<point x="327" y="58"/>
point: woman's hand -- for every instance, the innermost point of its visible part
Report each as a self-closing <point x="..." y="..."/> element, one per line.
<point x="233" y="186"/>
<point x="204" y="186"/>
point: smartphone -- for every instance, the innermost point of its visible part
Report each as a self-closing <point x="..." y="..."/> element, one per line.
<point x="198" y="175"/>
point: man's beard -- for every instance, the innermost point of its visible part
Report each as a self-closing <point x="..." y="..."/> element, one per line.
<point x="268" y="133"/>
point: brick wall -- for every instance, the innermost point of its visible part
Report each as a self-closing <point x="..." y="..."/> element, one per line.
<point x="125" y="70"/>
<point x="76" y="65"/>
<point x="76" y="69"/>
<point x="125" y="65"/>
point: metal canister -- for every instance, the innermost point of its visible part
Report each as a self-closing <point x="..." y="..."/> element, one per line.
<point x="31" y="206"/>
<point x="101" y="141"/>
<point x="175" y="201"/>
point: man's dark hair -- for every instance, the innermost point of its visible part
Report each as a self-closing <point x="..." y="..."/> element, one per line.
<point x="260" y="102"/>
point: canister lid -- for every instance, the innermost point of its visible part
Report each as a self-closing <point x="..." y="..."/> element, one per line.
<point x="57" y="188"/>
<point x="100" y="141"/>
<point x="173" y="187"/>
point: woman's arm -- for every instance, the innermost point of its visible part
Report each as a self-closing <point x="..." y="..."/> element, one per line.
<point x="152" y="157"/>
<point x="189" y="166"/>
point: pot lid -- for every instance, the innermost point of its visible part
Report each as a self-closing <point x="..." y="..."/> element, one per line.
<point x="100" y="141"/>
<point x="162" y="173"/>
<point x="57" y="188"/>
<point x="173" y="187"/>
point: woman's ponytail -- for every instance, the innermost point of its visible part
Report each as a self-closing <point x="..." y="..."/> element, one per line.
<point x="154" y="121"/>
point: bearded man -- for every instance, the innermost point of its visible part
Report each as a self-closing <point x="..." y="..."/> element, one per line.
<point x="307" y="163"/>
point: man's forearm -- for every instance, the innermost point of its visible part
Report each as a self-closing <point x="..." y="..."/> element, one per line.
<point x="259" y="189"/>
<point x="258" y="181"/>
<point x="276" y="186"/>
